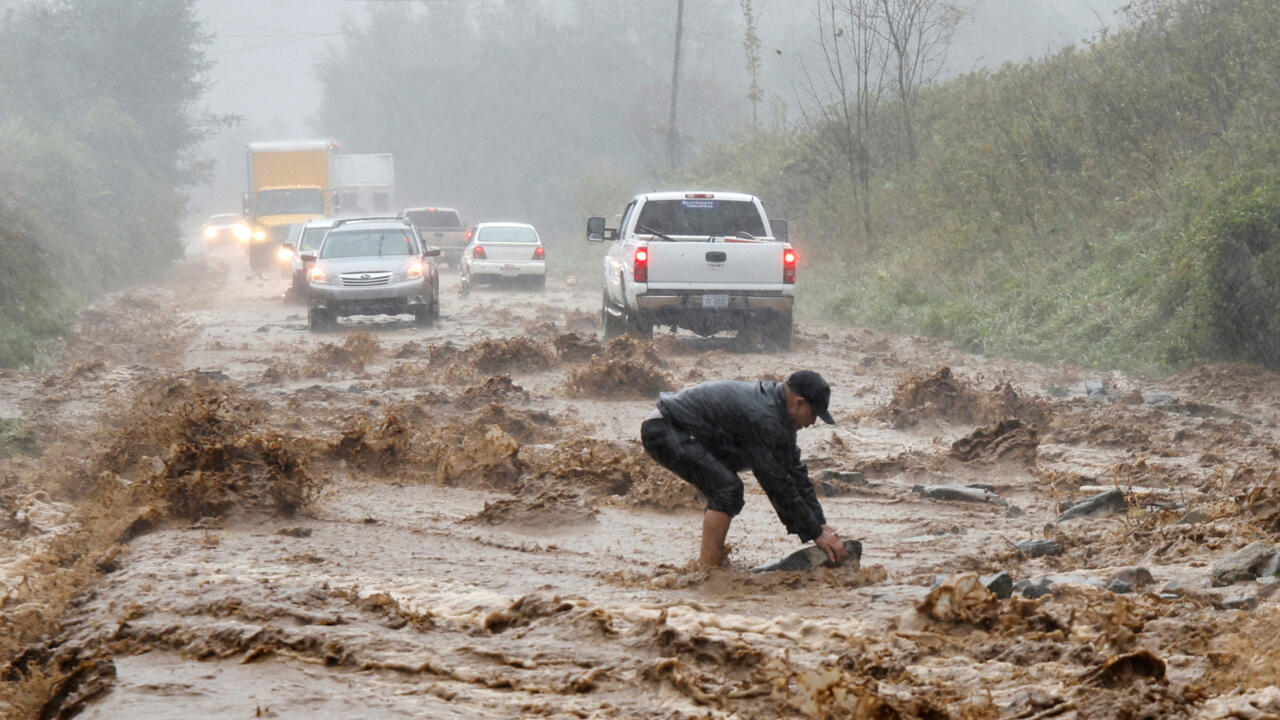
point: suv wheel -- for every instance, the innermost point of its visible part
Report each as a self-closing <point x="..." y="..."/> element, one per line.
<point x="423" y="316"/>
<point x="318" y="319"/>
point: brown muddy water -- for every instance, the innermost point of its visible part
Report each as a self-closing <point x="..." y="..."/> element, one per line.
<point x="232" y="517"/>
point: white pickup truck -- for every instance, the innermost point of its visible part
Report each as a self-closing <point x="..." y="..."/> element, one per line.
<point x="703" y="261"/>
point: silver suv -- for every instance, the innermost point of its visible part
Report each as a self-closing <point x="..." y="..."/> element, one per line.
<point x="372" y="266"/>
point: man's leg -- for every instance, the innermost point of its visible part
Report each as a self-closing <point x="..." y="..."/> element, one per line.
<point x="715" y="527"/>
<point x="684" y="456"/>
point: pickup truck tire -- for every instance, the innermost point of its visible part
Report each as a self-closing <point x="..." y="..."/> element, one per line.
<point x="614" y="325"/>
<point x="259" y="257"/>
<point x="640" y="328"/>
<point x="777" y="331"/>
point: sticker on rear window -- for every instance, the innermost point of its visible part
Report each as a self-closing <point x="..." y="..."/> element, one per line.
<point x="700" y="204"/>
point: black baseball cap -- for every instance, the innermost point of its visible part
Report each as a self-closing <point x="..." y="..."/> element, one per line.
<point x="810" y="386"/>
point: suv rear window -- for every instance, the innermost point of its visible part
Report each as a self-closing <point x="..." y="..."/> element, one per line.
<point x="367" y="243"/>
<point x="707" y="217"/>
<point x="435" y="219"/>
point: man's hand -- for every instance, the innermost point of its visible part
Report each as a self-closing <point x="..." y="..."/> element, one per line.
<point x="831" y="544"/>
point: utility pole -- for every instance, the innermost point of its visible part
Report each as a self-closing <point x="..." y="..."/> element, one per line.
<point x="673" y="139"/>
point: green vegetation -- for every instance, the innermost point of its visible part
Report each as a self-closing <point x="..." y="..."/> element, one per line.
<point x="96" y="131"/>
<point x="1115" y="205"/>
<point x="17" y="438"/>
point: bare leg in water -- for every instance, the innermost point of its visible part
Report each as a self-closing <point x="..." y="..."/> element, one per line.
<point x="715" y="527"/>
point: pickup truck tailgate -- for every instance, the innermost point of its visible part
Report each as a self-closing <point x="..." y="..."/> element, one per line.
<point x="715" y="263"/>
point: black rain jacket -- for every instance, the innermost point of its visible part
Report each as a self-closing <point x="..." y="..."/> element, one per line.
<point x="745" y="426"/>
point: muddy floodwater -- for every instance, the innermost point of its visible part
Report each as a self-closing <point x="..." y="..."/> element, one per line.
<point x="226" y="515"/>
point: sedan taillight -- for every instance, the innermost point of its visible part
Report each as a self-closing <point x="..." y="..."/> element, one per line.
<point x="539" y="253"/>
<point x="477" y="252"/>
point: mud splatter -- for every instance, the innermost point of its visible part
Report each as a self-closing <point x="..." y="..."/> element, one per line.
<point x="358" y="349"/>
<point x="942" y="396"/>
<point x="548" y="507"/>
<point x="626" y="368"/>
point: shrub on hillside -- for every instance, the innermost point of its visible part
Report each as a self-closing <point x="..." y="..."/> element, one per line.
<point x="1240" y="291"/>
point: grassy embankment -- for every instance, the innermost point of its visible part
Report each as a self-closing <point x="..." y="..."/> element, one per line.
<point x="1116" y="205"/>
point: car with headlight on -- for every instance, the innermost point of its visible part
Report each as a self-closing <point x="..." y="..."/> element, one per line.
<point x="305" y="241"/>
<point x="372" y="266"/>
<point x="224" y="229"/>
<point x="498" y="251"/>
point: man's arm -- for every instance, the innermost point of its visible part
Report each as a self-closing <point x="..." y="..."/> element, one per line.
<point x="799" y="475"/>
<point x="829" y="540"/>
<point x="771" y="463"/>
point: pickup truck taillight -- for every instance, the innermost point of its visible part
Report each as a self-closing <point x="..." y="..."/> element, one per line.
<point x="788" y="266"/>
<point x="642" y="265"/>
<point x="539" y="253"/>
<point x="477" y="252"/>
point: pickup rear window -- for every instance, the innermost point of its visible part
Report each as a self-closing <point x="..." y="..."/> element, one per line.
<point x="434" y="219"/>
<point x="706" y="217"/>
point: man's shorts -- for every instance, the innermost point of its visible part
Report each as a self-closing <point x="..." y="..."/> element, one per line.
<point x="683" y="455"/>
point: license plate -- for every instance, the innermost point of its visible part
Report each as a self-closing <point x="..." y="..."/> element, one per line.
<point x="510" y="270"/>
<point x="715" y="301"/>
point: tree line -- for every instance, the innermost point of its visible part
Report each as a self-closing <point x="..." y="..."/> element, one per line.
<point x="99" y="123"/>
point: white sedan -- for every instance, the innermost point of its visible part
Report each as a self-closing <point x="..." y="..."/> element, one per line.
<point x="502" y="250"/>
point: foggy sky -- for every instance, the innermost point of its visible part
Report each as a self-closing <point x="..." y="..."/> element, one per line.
<point x="263" y="49"/>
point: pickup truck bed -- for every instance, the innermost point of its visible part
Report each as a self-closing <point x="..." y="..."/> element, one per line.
<point x="704" y="262"/>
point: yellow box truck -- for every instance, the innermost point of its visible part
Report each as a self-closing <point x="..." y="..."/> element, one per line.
<point x="288" y="184"/>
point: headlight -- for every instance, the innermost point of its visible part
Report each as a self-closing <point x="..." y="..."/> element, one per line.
<point x="317" y="275"/>
<point x="242" y="232"/>
<point x="415" y="270"/>
<point x="259" y="234"/>
<point x="285" y="254"/>
<point x="210" y="233"/>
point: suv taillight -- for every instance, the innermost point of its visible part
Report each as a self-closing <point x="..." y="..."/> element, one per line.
<point x="477" y="252"/>
<point x="788" y="266"/>
<point x="642" y="265"/>
<point x="539" y="253"/>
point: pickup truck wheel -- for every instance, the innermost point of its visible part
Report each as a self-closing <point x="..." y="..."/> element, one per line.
<point x="259" y="258"/>
<point x="777" y="331"/>
<point x="640" y="328"/>
<point x="613" y="325"/>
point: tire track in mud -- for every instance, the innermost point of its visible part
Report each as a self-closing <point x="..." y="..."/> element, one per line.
<point x="459" y="521"/>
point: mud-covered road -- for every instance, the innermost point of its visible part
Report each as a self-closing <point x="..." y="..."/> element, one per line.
<point x="229" y="516"/>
